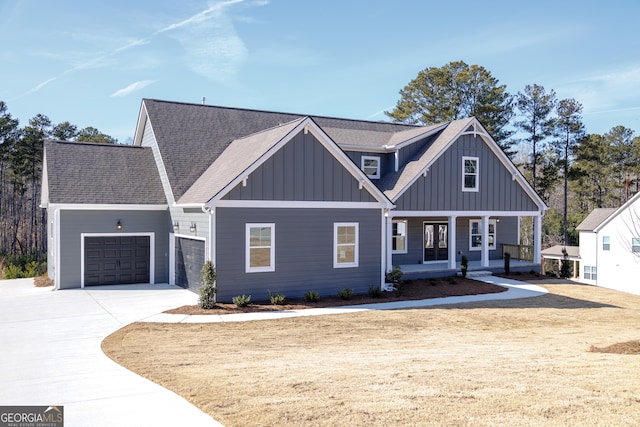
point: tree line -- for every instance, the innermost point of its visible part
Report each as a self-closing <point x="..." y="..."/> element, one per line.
<point x="23" y="233"/>
<point x="573" y="171"/>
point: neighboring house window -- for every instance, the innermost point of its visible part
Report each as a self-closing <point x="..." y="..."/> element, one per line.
<point x="260" y="255"/>
<point x="635" y="244"/>
<point x="590" y="273"/>
<point x="371" y="166"/>
<point x="606" y="244"/>
<point x="345" y="244"/>
<point x="475" y="234"/>
<point x="470" y="175"/>
<point x="399" y="236"/>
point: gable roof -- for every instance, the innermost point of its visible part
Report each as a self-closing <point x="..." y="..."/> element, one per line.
<point x="90" y="173"/>
<point x="190" y="137"/>
<point x="244" y="155"/>
<point x="595" y="218"/>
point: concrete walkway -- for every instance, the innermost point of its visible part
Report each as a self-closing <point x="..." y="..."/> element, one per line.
<point x="515" y="289"/>
<point x="50" y="354"/>
<point x="50" y="348"/>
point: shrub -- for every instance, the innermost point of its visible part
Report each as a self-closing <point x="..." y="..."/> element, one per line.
<point x="565" y="267"/>
<point x="242" y="300"/>
<point x="277" y="299"/>
<point x="13" y="272"/>
<point x="375" y="291"/>
<point x="311" y="296"/>
<point x="452" y="280"/>
<point x="208" y="290"/>
<point x="464" y="265"/>
<point x="395" y="275"/>
<point x="345" y="293"/>
<point x="433" y="282"/>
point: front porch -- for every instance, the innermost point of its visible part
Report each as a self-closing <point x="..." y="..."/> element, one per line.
<point x="441" y="269"/>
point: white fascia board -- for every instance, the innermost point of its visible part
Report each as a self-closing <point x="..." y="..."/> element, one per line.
<point x="189" y="205"/>
<point x="296" y="204"/>
<point x="363" y="149"/>
<point x="105" y="207"/>
<point x="463" y="213"/>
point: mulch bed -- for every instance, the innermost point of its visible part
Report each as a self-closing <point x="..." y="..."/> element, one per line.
<point x="412" y="290"/>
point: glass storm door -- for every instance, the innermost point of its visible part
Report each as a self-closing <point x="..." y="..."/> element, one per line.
<point x="436" y="242"/>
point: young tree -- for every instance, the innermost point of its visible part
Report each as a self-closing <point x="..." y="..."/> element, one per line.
<point x="455" y="91"/>
<point x="536" y="106"/>
<point x="569" y="131"/>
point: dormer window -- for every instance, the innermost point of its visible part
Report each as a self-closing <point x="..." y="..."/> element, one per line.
<point x="371" y="166"/>
<point x="470" y="174"/>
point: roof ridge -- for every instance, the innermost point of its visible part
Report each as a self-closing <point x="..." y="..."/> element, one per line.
<point x="90" y="143"/>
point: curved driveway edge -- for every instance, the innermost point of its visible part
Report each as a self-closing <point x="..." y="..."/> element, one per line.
<point x="515" y="290"/>
<point x="51" y="354"/>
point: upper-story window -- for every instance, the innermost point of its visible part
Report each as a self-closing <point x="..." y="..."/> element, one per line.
<point x="606" y="243"/>
<point x="470" y="176"/>
<point x="371" y="166"/>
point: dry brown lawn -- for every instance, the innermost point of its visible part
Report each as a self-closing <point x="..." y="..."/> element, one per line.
<point x="527" y="362"/>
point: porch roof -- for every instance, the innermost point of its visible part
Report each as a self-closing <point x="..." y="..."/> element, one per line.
<point x="555" y="252"/>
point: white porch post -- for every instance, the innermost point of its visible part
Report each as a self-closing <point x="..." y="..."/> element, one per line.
<point x="212" y="236"/>
<point x="452" y="242"/>
<point x="484" y="257"/>
<point x="537" y="242"/>
<point x="389" y="242"/>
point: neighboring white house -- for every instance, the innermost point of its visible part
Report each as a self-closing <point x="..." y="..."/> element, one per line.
<point x="610" y="247"/>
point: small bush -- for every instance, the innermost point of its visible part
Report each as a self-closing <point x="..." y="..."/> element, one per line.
<point x="464" y="265"/>
<point x="395" y="276"/>
<point x="208" y="290"/>
<point x="452" y="280"/>
<point x="277" y="299"/>
<point x="242" y="300"/>
<point x="311" y="296"/>
<point x="507" y="263"/>
<point x="433" y="282"/>
<point x="345" y="293"/>
<point x="13" y="272"/>
<point x="375" y="291"/>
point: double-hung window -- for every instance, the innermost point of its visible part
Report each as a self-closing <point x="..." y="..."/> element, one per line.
<point x="635" y="245"/>
<point x="370" y="165"/>
<point x="260" y="245"/>
<point x="345" y="244"/>
<point x="475" y="234"/>
<point x="399" y="236"/>
<point x="470" y="176"/>
<point x="606" y="243"/>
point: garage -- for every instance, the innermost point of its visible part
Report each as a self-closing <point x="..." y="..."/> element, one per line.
<point x="189" y="261"/>
<point x="116" y="260"/>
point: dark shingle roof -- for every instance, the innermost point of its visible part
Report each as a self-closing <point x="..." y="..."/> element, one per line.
<point x="191" y="136"/>
<point x="78" y="172"/>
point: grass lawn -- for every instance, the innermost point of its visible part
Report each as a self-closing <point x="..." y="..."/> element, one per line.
<point x="534" y="361"/>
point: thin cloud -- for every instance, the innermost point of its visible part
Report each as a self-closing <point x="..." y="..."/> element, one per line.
<point x="132" y="88"/>
<point x="199" y="17"/>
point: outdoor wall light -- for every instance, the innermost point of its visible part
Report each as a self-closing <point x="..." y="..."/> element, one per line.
<point x="119" y="225"/>
<point x="176" y="226"/>
<point x="193" y="227"/>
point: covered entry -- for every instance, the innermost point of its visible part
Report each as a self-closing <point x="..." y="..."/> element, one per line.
<point x="436" y="247"/>
<point x="189" y="259"/>
<point x="116" y="259"/>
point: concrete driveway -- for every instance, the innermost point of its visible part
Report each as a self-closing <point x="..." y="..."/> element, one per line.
<point x="50" y="354"/>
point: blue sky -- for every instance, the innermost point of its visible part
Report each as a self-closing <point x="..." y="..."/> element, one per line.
<point x="91" y="63"/>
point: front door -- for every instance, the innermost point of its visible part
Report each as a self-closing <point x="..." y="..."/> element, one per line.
<point x="436" y="247"/>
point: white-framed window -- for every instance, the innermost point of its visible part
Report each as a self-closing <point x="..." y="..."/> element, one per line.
<point x="635" y="244"/>
<point x="470" y="176"/>
<point x="260" y="245"/>
<point x="475" y="234"/>
<point x="399" y="236"/>
<point x="370" y="165"/>
<point x="345" y="244"/>
<point x="590" y="272"/>
<point x="606" y="243"/>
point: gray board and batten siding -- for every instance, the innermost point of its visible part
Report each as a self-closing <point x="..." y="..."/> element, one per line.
<point x="73" y="223"/>
<point x="304" y="244"/>
<point x="441" y="189"/>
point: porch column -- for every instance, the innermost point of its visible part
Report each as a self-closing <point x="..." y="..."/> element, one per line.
<point x="484" y="256"/>
<point x="389" y="242"/>
<point x="452" y="242"/>
<point x="537" y="238"/>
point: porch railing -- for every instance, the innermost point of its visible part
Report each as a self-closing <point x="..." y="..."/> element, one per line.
<point x="519" y="252"/>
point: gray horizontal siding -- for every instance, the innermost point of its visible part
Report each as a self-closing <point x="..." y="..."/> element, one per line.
<point x="185" y="217"/>
<point x="74" y="223"/>
<point x="303" y="252"/>
<point x="301" y="170"/>
<point x="441" y="189"/>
